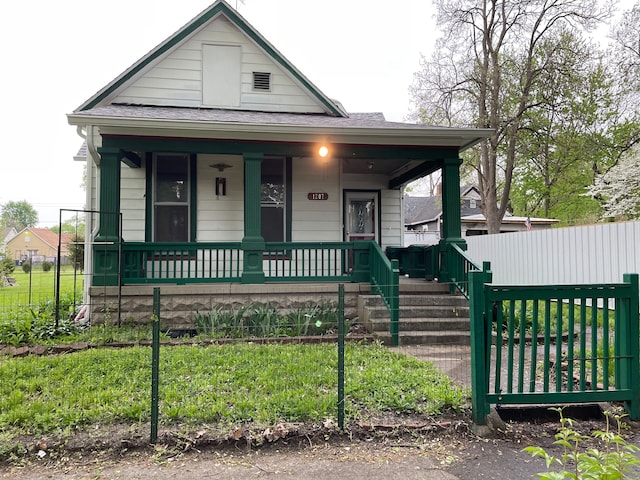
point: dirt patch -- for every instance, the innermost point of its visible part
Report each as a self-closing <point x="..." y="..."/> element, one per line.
<point x="392" y="446"/>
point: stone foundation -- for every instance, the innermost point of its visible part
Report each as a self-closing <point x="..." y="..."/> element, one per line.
<point x="179" y="303"/>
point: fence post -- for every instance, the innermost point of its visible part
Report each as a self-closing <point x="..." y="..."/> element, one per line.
<point x="632" y="367"/>
<point x="155" y="364"/>
<point x="341" y="335"/>
<point x="479" y="344"/>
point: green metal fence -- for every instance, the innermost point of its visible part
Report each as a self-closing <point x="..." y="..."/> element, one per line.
<point x="553" y="344"/>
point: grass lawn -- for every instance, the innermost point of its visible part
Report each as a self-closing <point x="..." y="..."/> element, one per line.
<point x="222" y="385"/>
<point x="42" y="286"/>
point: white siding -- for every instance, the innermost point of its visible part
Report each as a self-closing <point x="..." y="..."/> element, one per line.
<point x="132" y="203"/>
<point x="221" y="218"/>
<point x="315" y="220"/>
<point x="177" y="79"/>
<point x="590" y="254"/>
<point x="391" y="216"/>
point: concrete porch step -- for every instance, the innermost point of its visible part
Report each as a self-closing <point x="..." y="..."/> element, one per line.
<point x="428" y="315"/>
<point x="443" y="338"/>
<point x="423" y="324"/>
<point x="421" y="311"/>
<point x="418" y="299"/>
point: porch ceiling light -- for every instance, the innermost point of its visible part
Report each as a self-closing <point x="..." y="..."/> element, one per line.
<point x="323" y="151"/>
<point x="220" y="166"/>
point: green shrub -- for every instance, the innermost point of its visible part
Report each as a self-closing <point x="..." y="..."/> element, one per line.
<point x="612" y="460"/>
<point x="7" y="267"/>
<point x="26" y="325"/>
<point x="26" y="267"/>
<point x="46" y="266"/>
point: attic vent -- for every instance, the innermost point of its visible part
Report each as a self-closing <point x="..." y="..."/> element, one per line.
<point x="262" y="81"/>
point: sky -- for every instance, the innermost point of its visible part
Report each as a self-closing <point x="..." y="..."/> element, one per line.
<point x="56" y="55"/>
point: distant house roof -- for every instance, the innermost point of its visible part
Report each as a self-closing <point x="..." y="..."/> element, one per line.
<point x="7" y="234"/>
<point x="421" y="210"/>
<point x="510" y="219"/>
<point x="82" y="153"/>
<point x="49" y="236"/>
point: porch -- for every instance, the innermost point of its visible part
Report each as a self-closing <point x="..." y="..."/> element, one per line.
<point x="197" y="277"/>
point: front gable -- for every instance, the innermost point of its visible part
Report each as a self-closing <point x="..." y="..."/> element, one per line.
<point x="216" y="61"/>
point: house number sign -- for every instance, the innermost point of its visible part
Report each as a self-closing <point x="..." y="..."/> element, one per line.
<point x="317" y="196"/>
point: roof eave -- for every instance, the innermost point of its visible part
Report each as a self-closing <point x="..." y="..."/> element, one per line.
<point x="437" y="137"/>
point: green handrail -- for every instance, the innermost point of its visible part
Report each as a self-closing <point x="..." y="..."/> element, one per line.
<point x="385" y="281"/>
<point x="460" y="264"/>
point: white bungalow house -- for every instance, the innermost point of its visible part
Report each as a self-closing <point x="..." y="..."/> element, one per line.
<point x="214" y="161"/>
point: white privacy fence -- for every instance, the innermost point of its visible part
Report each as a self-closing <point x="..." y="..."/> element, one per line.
<point x="590" y="254"/>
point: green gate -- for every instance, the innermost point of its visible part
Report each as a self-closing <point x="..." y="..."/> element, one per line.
<point x="553" y="344"/>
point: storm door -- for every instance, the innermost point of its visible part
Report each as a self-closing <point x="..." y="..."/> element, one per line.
<point x="361" y="216"/>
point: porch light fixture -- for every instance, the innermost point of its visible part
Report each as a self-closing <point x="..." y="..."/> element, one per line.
<point x="220" y="166"/>
<point x="323" y="151"/>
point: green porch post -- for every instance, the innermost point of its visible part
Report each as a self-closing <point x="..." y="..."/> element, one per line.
<point x="253" y="243"/>
<point x="106" y="247"/>
<point x="451" y="232"/>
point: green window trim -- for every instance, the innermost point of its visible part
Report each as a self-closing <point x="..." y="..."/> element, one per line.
<point x="149" y="202"/>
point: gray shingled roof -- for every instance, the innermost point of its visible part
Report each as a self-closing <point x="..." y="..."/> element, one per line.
<point x="419" y="210"/>
<point x="354" y="120"/>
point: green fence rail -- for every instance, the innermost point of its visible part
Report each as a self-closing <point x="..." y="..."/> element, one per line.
<point x="553" y="344"/>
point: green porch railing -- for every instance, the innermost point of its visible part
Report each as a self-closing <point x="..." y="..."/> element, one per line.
<point x="310" y="262"/>
<point x="460" y="265"/>
<point x="385" y="281"/>
<point x="554" y="344"/>
<point x="181" y="263"/>
<point x="207" y="262"/>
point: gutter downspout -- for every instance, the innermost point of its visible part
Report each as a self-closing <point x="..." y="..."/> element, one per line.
<point x="90" y="229"/>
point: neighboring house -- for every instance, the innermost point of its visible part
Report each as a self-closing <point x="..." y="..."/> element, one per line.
<point x="422" y="217"/>
<point x="7" y="234"/>
<point x="228" y="165"/>
<point x="38" y="245"/>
